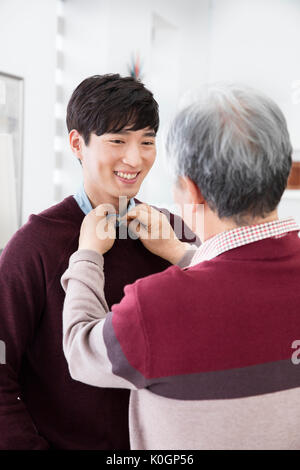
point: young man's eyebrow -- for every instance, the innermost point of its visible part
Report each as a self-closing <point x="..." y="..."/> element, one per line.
<point x="124" y="132"/>
<point x="149" y="134"/>
<point x="121" y="132"/>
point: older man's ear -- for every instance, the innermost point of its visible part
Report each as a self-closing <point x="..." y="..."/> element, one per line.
<point x="191" y="203"/>
<point x="187" y="192"/>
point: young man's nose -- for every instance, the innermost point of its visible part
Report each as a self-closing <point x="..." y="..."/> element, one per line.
<point x="132" y="156"/>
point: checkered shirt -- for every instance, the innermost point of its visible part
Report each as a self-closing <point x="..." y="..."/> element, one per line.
<point x="240" y="236"/>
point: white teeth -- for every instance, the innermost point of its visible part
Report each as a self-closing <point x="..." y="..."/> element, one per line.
<point x="127" y="176"/>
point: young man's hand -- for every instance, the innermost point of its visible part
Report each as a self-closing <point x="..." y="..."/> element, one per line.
<point x="98" y="231"/>
<point x="155" y="232"/>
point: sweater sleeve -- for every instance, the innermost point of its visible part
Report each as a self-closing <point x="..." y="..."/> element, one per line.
<point x="94" y="339"/>
<point x="21" y="302"/>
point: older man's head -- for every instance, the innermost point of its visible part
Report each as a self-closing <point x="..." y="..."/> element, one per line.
<point x="233" y="144"/>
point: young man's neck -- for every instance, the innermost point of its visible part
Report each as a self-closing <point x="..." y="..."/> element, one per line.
<point x="97" y="198"/>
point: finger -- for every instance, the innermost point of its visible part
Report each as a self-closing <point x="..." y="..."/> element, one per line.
<point x="111" y="222"/>
<point x="137" y="209"/>
<point x="138" y="229"/>
<point x="104" y="209"/>
<point x="143" y="218"/>
<point x="112" y="217"/>
<point x="105" y="228"/>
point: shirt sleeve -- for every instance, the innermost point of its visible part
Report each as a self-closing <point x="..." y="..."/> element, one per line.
<point x="94" y="339"/>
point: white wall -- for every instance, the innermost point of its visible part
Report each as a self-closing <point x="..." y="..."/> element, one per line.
<point x="85" y="49"/>
<point x="27" y="39"/>
<point x="258" y="42"/>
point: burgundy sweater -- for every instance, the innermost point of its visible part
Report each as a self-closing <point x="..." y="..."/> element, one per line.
<point x="41" y="406"/>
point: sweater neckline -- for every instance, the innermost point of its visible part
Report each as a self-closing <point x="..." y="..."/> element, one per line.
<point x="74" y="208"/>
<point x="74" y="204"/>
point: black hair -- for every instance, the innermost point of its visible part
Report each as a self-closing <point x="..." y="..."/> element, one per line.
<point x="109" y="103"/>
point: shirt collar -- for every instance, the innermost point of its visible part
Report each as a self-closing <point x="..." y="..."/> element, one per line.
<point x="240" y="236"/>
<point x="86" y="206"/>
<point x="83" y="201"/>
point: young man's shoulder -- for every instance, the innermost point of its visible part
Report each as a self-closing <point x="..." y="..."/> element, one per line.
<point x="53" y="226"/>
<point x="66" y="211"/>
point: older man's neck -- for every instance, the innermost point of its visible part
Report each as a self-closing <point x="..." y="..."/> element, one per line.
<point x="213" y="225"/>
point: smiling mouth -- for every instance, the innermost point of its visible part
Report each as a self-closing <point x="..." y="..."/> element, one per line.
<point x="127" y="177"/>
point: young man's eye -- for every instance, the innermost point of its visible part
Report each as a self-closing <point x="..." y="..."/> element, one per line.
<point x="148" y="143"/>
<point x="117" y="141"/>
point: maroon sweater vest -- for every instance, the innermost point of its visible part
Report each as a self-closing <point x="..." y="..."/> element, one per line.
<point x="40" y="405"/>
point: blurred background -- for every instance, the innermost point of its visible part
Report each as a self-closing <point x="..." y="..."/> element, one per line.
<point x="47" y="47"/>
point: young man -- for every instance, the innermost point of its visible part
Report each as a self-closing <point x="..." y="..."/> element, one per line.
<point x="112" y="123"/>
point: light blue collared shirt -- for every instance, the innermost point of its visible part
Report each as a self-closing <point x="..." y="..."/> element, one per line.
<point x="86" y="206"/>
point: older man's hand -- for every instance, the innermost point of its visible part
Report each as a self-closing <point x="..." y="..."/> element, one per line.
<point x="155" y="232"/>
<point x="98" y="231"/>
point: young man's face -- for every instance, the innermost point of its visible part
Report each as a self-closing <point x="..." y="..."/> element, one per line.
<point x="116" y="164"/>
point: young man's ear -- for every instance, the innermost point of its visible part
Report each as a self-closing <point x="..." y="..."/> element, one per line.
<point x="76" y="144"/>
<point x="193" y="193"/>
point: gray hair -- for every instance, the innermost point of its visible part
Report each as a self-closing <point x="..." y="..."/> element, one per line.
<point x="234" y="144"/>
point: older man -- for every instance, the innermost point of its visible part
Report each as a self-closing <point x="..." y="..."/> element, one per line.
<point x="207" y="351"/>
